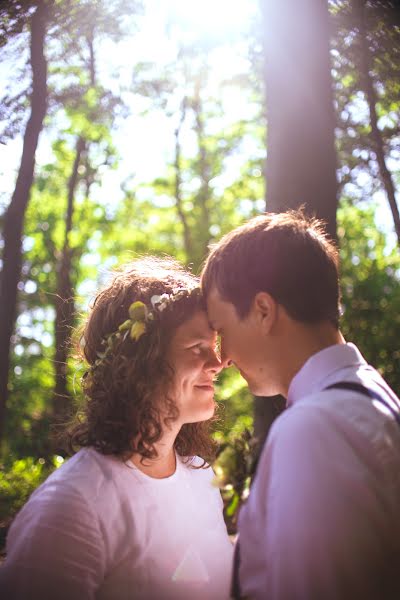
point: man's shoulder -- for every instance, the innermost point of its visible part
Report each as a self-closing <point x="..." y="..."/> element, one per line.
<point x="303" y="417"/>
<point x="330" y="417"/>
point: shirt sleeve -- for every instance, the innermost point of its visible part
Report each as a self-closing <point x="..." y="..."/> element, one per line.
<point x="317" y="512"/>
<point x="54" y="549"/>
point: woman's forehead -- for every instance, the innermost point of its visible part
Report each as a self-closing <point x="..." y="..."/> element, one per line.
<point x="196" y="327"/>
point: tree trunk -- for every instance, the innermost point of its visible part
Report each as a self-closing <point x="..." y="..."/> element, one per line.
<point x="301" y="159"/>
<point x="265" y="411"/>
<point x="64" y="302"/>
<point x="376" y="136"/>
<point x="15" y="214"/>
<point x="204" y="174"/>
<point x="65" y="296"/>
<point x="187" y="237"/>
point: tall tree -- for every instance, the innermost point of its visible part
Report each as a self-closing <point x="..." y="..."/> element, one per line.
<point x="64" y="297"/>
<point x="91" y="115"/>
<point x="70" y="37"/>
<point x="184" y="93"/>
<point x="187" y="233"/>
<point x="366" y="51"/>
<point x="370" y="93"/>
<point x="14" y="217"/>
<point x="301" y="160"/>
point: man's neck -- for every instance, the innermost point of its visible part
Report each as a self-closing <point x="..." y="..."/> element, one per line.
<point x="308" y="340"/>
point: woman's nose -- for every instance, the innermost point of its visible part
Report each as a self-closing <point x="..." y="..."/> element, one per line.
<point x="214" y="363"/>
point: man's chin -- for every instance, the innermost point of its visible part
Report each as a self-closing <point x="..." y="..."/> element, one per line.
<point x="260" y="388"/>
<point x="263" y="390"/>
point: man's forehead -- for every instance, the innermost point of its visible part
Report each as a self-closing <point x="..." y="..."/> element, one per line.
<point x="213" y="297"/>
<point x="216" y="308"/>
<point x="213" y="301"/>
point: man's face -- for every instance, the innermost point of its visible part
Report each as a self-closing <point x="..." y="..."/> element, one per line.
<point x="242" y="343"/>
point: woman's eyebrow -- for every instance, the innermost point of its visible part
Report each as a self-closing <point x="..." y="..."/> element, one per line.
<point x="201" y="337"/>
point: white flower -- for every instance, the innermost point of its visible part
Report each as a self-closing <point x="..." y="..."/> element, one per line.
<point x="155" y="300"/>
<point x="160" y="302"/>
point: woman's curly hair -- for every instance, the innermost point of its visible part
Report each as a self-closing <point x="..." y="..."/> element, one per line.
<point x="122" y="413"/>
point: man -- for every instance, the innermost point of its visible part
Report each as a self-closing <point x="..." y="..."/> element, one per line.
<point x="323" y="517"/>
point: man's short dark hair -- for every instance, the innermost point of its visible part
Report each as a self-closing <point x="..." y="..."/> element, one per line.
<point x="287" y="255"/>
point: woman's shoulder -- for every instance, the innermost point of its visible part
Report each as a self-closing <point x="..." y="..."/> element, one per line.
<point x="85" y="475"/>
<point x="84" y="462"/>
<point x="198" y="469"/>
<point x="195" y="463"/>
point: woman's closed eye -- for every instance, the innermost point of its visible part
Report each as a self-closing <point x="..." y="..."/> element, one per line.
<point x="203" y="348"/>
<point x="196" y="349"/>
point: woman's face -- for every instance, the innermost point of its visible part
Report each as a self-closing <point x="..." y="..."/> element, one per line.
<point x="193" y="357"/>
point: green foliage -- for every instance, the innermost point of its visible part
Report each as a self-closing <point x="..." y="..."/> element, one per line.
<point x="370" y="278"/>
<point x="235" y="405"/>
<point x="19" y="479"/>
<point x="234" y="468"/>
<point x="198" y="189"/>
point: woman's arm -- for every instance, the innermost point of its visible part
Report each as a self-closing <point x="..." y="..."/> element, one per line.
<point x="54" y="548"/>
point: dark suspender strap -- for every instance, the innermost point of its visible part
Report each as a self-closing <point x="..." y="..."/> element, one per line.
<point x="235" y="585"/>
<point x="358" y="387"/>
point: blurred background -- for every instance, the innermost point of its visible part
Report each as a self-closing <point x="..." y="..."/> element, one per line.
<point x="155" y="126"/>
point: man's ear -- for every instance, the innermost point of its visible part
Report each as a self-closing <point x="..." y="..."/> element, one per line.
<point x="265" y="310"/>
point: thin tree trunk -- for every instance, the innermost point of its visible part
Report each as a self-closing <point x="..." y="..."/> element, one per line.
<point x="64" y="301"/>
<point x="65" y="297"/>
<point x="265" y="411"/>
<point x="204" y="174"/>
<point x="301" y="158"/>
<point x="92" y="59"/>
<point x="376" y="136"/>
<point x="187" y="238"/>
<point x="15" y="214"/>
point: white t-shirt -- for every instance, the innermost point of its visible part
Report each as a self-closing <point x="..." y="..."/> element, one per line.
<point x="100" y="528"/>
<point x="322" y="521"/>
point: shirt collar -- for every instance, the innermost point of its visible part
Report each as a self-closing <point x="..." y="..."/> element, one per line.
<point x="315" y="372"/>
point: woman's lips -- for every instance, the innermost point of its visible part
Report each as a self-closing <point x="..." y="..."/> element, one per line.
<point x="206" y="386"/>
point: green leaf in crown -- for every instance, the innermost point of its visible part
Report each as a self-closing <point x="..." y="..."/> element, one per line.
<point x="137" y="330"/>
<point x="138" y="311"/>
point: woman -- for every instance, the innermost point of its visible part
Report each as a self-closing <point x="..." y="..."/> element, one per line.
<point x="134" y="513"/>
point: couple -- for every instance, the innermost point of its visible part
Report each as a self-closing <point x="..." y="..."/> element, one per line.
<point x="134" y="513"/>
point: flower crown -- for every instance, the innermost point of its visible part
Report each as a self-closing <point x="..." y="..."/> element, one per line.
<point x="140" y="316"/>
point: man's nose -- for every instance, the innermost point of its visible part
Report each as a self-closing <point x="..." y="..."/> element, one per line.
<point x="225" y="360"/>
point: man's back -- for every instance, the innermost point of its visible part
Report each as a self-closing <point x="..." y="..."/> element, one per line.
<point x="322" y="520"/>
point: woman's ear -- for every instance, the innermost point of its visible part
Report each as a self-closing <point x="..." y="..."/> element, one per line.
<point x="265" y="310"/>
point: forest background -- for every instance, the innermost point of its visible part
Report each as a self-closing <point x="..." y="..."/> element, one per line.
<point x="132" y="127"/>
